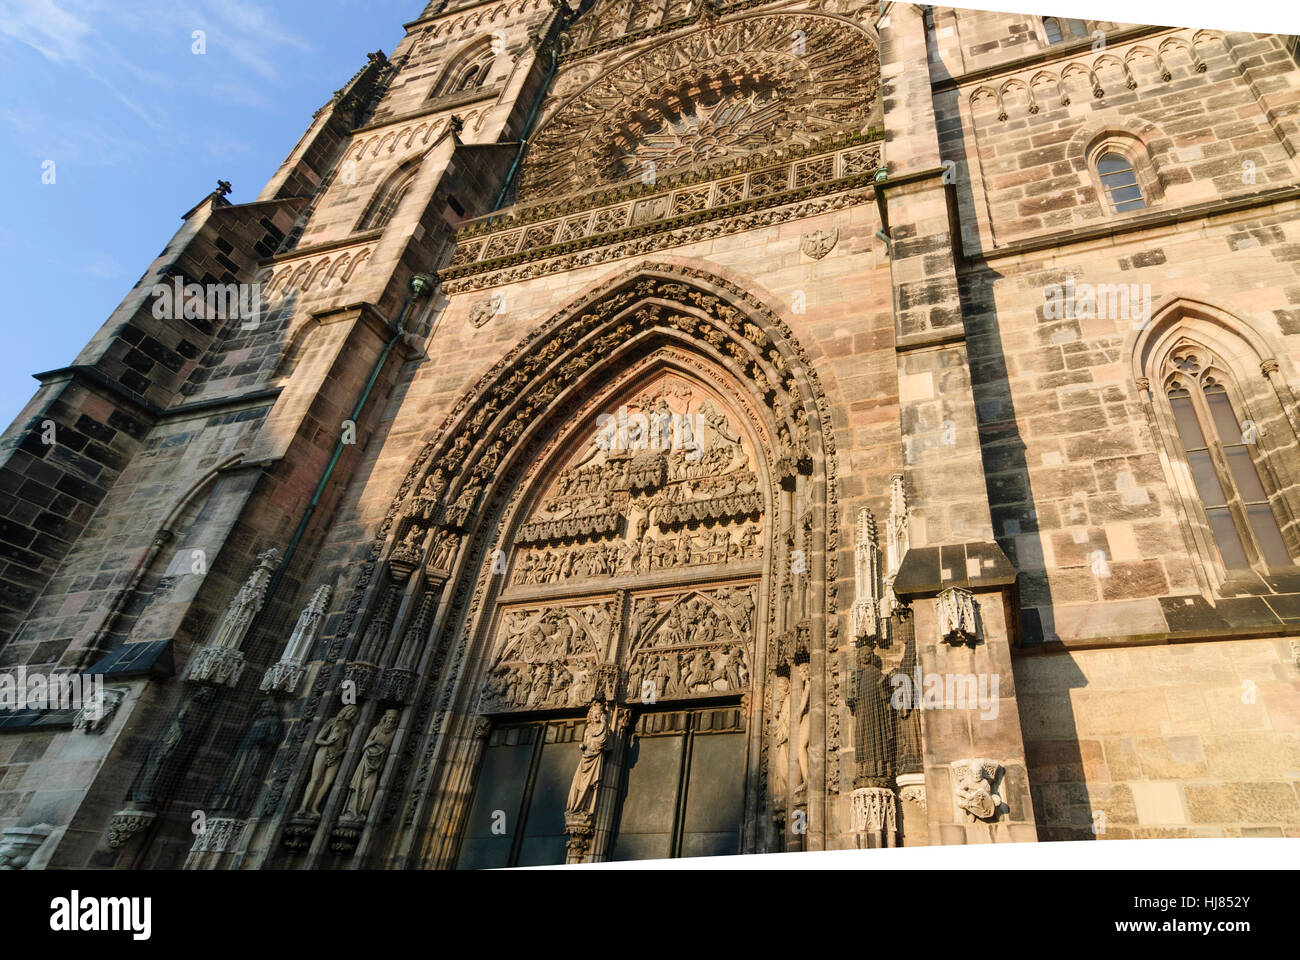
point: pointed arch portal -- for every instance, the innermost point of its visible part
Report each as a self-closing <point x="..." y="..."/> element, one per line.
<point x="591" y="579"/>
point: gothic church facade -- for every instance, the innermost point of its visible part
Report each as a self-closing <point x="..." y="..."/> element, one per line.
<point x="678" y="428"/>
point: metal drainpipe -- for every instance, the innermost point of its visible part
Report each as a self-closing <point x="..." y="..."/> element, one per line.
<point x="528" y="128"/>
<point x="883" y="234"/>
<point x="421" y="286"/>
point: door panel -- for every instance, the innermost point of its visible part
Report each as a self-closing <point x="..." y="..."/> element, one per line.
<point x="501" y="782"/>
<point x="715" y="796"/>
<point x="544" y="837"/>
<point x="681" y="792"/>
<point x="650" y="798"/>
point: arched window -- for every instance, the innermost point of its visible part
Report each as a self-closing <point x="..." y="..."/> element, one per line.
<point x="1221" y="450"/>
<point x="1120" y="182"/>
<point x="387" y="199"/>
<point x="1058" y="30"/>
<point x="469" y="71"/>
<point x="469" y="80"/>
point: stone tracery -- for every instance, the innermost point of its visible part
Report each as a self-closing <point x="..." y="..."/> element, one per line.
<point x="718" y="93"/>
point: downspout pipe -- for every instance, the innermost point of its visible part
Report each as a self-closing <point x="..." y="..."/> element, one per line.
<point x="421" y="286"/>
<point x="882" y="234"/>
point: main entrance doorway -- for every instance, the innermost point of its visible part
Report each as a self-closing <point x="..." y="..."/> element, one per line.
<point x="680" y="790"/>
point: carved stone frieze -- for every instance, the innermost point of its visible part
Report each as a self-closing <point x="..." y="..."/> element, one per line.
<point x="689" y="215"/>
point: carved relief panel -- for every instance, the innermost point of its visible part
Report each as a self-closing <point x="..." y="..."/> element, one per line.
<point x="696" y="644"/>
<point x="663" y="482"/>
<point x="548" y="657"/>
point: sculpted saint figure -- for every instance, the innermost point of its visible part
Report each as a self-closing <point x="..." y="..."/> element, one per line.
<point x="805" y="703"/>
<point x="780" y="740"/>
<point x="330" y="743"/>
<point x="435" y="484"/>
<point x="361" y="791"/>
<point x="159" y="766"/>
<point x="232" y="793"/>
<point x="586" y="780"/>
<point x="873" y="727"/>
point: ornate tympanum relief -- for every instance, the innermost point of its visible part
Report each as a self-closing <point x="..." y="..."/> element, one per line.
<point x="664" y="481"/>
<point x="548" y="658"/>
<point x="693" y="645"/>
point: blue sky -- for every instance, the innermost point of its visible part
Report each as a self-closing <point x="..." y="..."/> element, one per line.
<point x="140" y="128"/>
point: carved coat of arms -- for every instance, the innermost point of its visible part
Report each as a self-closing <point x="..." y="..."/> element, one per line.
<point x="819" y="244"/>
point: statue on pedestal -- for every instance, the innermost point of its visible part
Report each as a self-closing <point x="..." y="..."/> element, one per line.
<point x="330" y="744"/>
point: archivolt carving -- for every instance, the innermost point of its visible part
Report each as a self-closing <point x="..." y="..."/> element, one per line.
<point x="534" y="386"/>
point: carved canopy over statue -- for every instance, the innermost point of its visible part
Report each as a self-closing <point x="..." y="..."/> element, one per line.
<point x="719" y="92"/>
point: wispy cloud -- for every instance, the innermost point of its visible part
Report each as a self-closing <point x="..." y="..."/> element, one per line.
<point x="63" y="36"/>
<point x="80" y="34"/>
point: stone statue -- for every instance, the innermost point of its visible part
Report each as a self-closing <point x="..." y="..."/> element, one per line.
<point x="330" y="744"/>
<point x="805" y="705"/>
<point x="908" y="756"/>
<point x="435" y="485"/>
<point x="873" y="728"/>
<point x="361" y="792"/>
<point x="586" y="780"/>
<point x="168" y="749"/>
<point x="973" y="788"/>
<point x="232" y="793"/>
<point x="780" y="765"/>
